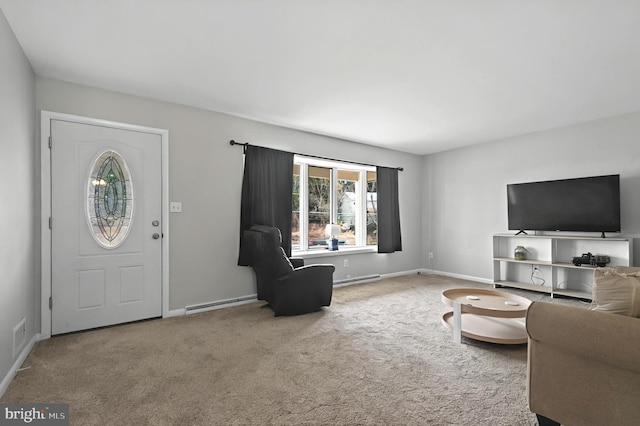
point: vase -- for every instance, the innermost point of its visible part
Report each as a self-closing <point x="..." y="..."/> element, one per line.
<point x="520" y="253"/>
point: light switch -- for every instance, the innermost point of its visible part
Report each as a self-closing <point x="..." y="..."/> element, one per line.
<point x="175" y="207"/>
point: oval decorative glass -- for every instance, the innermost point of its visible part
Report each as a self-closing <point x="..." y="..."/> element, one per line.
<point x="109" y="207"/>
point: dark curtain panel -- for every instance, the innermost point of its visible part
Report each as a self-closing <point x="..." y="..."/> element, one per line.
<point x="267" y="193"/>
<point x="389" y="239"/>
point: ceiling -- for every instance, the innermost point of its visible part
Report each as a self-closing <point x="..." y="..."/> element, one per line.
<point x="417" y="76"/>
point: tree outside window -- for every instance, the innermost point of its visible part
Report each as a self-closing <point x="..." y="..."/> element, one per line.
<point x="347" y="205"/>
<point x="319" y="207"/>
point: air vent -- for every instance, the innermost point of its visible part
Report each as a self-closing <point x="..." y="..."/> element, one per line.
<point x="19" y="336"/>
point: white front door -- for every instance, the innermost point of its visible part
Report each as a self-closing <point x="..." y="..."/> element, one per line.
<point x="106" y="233"/>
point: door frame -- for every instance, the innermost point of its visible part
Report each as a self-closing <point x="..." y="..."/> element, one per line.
<point x="45" y="207"/>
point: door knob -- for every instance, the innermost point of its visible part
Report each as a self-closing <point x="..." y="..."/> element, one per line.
<point x="156" y="236"/>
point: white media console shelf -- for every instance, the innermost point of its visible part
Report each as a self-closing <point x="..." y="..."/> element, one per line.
<point x="548" y="266"/>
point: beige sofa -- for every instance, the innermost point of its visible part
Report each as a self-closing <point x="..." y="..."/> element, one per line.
<point x="583" y="366"/>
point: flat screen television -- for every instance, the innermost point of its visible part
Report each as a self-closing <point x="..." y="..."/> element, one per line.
<point x="589" y="204"/>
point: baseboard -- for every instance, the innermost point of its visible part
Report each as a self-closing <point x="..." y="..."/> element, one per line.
<point x="176" y="313"/>
<point x="227" y="303"/>
<point x="357" y="280"/>
<point x="372" y="278"/>
<point x="4" y="385"/>
<point x="460" y="276"/>
<point x="219" y="304"/>
<point x="400" y="274"/>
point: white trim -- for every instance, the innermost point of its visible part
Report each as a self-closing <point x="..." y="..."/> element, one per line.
<point x="400" y="274"/>
<point x="460" y="276"/>
<point x="252" y="298"/>
<point x="45" y="197"/>
<point x="334" y="167"/>
<point x="45" y="232"/>
<point x="343" y="251"/>
<point x="373" y="278"/>
<point x="314" y="161"/>
<point x="357" y="280"/>
<point x="361" y="209"/>
<point x="303" y="206"/>
<point x="212" y="306"/>
<point x="220" y="304"/>
<point x="11" y="374"/>
<point x="176" y="313"/>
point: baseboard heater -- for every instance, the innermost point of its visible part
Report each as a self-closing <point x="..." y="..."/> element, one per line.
<point x="348" y="281"/>
<point x="240" y="300"/>
<point x="219" y="304"/>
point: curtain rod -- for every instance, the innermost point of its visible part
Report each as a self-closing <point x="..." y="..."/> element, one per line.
<point x="246" y="144"/>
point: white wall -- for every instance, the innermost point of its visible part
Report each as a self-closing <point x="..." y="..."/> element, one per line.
<point x="465" y="195"/>
<point x="19" y="253"/>
<point x="205" y="174"/>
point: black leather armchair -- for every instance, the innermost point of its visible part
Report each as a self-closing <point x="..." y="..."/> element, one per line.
<point x="286" y="284"/>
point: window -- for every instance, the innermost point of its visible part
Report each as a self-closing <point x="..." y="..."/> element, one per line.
<point x="326" y="192"/>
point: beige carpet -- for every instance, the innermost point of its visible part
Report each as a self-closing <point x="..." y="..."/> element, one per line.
<point x="378" y="356"/>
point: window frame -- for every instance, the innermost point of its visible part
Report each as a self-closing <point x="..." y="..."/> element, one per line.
<point x="360" y="245"/>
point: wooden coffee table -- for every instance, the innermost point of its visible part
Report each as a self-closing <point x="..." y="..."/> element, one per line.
<point x="485" y="314"/>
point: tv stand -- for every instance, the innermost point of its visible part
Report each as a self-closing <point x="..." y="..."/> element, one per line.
<point x="522" y="232"/>
<point x="549" y="261"/>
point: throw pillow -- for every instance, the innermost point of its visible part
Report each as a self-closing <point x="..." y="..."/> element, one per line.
<point x="615" y="292"/>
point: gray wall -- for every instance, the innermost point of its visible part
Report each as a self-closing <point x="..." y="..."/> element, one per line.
<point x="18" y="249"/>
<point x="465" y="196"/>
<point x="205" y="174"/>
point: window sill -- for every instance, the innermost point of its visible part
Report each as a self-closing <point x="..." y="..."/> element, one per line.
<point x="340" y="252"/>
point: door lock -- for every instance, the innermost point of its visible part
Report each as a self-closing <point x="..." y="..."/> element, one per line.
<point x="155" y="223"/>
